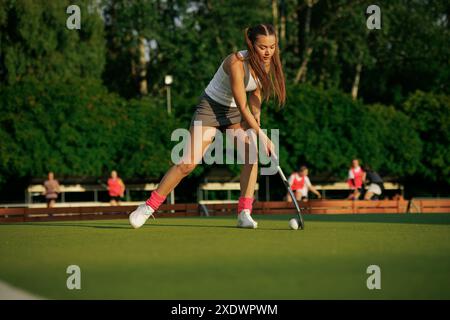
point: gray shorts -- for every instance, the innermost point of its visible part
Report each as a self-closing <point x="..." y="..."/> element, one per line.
<point x="213" y="114"/>
<point x="374" y="188"/>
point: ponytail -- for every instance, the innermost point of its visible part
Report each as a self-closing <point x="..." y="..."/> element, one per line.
<point x="271" y="83"/>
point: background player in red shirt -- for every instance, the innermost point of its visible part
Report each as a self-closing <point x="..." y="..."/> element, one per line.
<point x="301" y="184"/>
<point x="116" y="188"/>
<point x="356" y="178"/>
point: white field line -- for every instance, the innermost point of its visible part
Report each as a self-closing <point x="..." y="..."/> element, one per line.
<point x="8" y="292"/>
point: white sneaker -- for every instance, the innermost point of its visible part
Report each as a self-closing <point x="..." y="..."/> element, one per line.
<point x="245" y="220"/>
<point x="140" y="215"/>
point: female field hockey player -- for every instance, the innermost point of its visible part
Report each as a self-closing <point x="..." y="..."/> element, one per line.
<point x="223" y="105"/>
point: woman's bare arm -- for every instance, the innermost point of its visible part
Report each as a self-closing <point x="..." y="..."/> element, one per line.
<point x="240" y="97"/>
<point x="314" y="190"/>
<point x="239" y="93"/>
<point x="255" y="105"/>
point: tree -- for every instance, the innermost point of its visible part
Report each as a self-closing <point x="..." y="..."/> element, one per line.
<point x="430" y="117"/>
<point x="325" y="129"/>
<point x="180" y="36"/>
<point x="84" y="133"/>
<point x="35" y="43"/>
<point x="329" y="45"/>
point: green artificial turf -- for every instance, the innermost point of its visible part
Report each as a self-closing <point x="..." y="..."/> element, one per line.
<point x="208" y="258"/>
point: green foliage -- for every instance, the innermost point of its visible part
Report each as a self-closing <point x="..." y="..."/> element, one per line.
<point x="35" y="43"/>
<point x="84" y="132"/>
<point x="146" y="148"/>
<point x="326" y="129"/>
<point x="88" y="132"/>
<point x="430" y="116"/>
<point x="69" y="99"/>
<point x="392" y="145"/>
<point x="191" y="37"/>
<point x="410" y="51"/>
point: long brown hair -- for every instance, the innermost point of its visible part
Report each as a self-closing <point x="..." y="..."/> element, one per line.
<point x="271" y="83"/>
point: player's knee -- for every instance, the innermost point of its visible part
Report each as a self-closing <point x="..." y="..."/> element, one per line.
<point x="185" y="168"/>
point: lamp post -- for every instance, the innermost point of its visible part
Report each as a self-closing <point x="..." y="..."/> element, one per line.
<point x="168" y="79"/>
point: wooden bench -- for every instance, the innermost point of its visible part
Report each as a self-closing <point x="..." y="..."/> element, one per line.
<point x="38" y="189"/>
<point x="203" y="188"/>
<point x="337" y="186"/>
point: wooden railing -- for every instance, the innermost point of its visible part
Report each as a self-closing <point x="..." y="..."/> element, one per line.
<point x="194" y="209"/>
<point x="429" y="206"/>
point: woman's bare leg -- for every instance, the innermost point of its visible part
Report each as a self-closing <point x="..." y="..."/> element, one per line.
<point x="354" y="195"/>
<point x="298" y="196"/>
<point x="201" y="138"/>
<point x="288" y="197"/>
<point x="248" y="153"/>
<point x="249" y="175"/>
<point x="249" y="171"/>
<point x="194" y="155"/>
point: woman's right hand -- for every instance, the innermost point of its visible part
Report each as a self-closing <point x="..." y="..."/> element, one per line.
<point x="268" y="145"/>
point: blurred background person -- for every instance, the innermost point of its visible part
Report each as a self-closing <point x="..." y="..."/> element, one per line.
<point x="116" y="188"/>
<point x="375" y="189"/>
<point x="52" y="190"/>
<point x="301" y="184"/>
<point x="356" y="177"/>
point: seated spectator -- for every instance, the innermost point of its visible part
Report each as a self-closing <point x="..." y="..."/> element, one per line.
<point x="375" y="188"/>
<point x="116" y="188"/>
<point x="301" y="184"/>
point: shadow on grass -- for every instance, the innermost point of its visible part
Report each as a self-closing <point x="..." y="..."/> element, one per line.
<point x="124" y="226"/>
<point x="424" y="218"/>
<point x="442" y="219"/>
<point x="127" y="226"/>
<point x="46" y="224"/>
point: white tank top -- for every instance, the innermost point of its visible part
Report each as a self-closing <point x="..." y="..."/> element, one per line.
<point x="219" y="88"/>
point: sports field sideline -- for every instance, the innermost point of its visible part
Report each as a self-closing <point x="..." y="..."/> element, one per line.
<point x="208" y="258"/>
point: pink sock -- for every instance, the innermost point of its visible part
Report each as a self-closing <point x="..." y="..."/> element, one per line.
<point x="245" y="203"/>
<point x="155" y="200"/>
